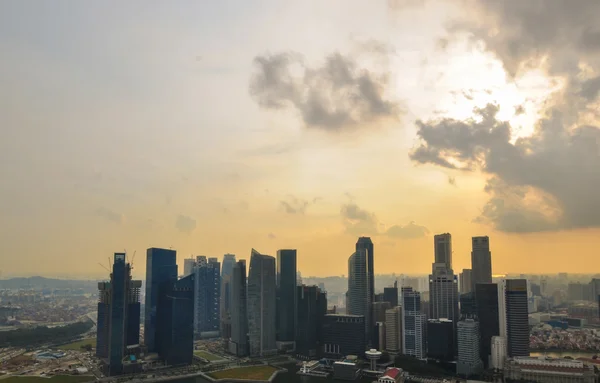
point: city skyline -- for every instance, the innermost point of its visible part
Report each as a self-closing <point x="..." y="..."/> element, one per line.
<point x="215" y="128"/>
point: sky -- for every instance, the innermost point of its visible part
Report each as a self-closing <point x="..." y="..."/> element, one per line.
<point x="218" y="127"/>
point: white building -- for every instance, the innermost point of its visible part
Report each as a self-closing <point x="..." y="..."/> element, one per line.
<point x="498" y="352"/>
<point x="468" y="362"/>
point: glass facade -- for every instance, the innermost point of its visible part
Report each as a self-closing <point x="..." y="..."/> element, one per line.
<point x="262" y="305"/>
<point x="286" y="295"/>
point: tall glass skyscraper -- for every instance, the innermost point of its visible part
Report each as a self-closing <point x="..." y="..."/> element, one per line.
<point x="238" y="344"/>
<point x="365" y="243"/>
<point x="262" y="300"/>
<point x="207" y="312"/>
<point x="481" y="261"/>
<point x="359" y="299"/>
<point x="488" y="314"/>
<point x="161" y="270"/>
<point x="413" y="324"/>
<point x="517" y="317"/>
<point x="286" y="295"/>
<point x="443" y="249"/>
<point x="226" y="273"/>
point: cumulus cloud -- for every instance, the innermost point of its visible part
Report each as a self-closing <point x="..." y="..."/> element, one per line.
<point x="110" y="215"/>
<point x="339" y="94"/>
<point x="360" y="222"/>
<point x="548" y="181"/>
<point x="185" y="224"/>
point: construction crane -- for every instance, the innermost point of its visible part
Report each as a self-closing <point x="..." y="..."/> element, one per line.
<point x="133" y="258"/>
<point x="105" y="268"/>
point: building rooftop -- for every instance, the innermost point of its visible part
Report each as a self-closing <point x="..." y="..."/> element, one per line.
<point x="392" y="372"/>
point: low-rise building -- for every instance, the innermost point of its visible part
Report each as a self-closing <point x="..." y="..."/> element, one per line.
<point x="549" y="370"/>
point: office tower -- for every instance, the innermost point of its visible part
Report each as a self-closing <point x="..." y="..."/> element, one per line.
<point x="393" y="330"/>
<point x="468" y="362"/>
<point x="238" y="345"/>
<point x="226" y="272"/>
<point x="413" y="324"/>
<point x="443" y="294"/>
<point x="118" y="323"/>
<point x="207" y="296"/>
<point x="188" y="266"/>
<point x="443" y="249"/>
<point x="488" y="314"/>
<point x="517" y="319"/>
<point x="262" y="305"/>
<point x="359" y="297"/>
<point x="175" y="321"/>
<point x="594" y="289"/>
<point x="286" y="295"/>
<point x="440" y="339"/>
<point x="379" y="309"/>
<point x="312" y="307"/>
<point x="390" y="294"/>
<point x="365" y="244"/>
<point x="468" y="305"/>
<point x="465" y="281"/>
<point x="498" y="352"/>
<point x="481" y="260"/>
<point x="343" y="335"/>
<point x="161" y="268"/>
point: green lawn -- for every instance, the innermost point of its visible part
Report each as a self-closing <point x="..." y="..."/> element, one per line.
<point x="250" y="373"/>
<point x="77" y="345"/>
<point x="207" y="355"/>
<point x="54" y="379"/>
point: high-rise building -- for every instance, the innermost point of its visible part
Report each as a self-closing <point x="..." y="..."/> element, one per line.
<point x="312" y="308"/>
<point x="413" y="324"/>
<point x="262" y="300"/>
<point x="175" y="321"/>
<point x="118" y="323"/>
<point x="489" y="317"/>
<point x="465" y="281"/>
<point x="481" y="260"/>
<point x="161" y="269"/>
<point x="468" y="305"/>
<point x="443" y="294"/>
<point x="286" y="295"/>
<point x="517" y="318"/>
<point x="393" y="330"/>
<point x="498" y="353"/>
<point x="226" y="272"/>
<point x="343" y="335"/>
<point x="468" y="362"/>
<point x="188" y="266"/>
<point x="365" y="244"/>
<point x="390" y="294"/>
<point x="443" y="249"/>
<point x="379" y="309"/>
<point x="359" y="296"/>
<point x="440" y="339"/>
<point x="207" y="296"/>
<point x="238" y="344"/>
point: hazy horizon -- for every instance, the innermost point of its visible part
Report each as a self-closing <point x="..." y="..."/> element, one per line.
<point x="216" y="127"/>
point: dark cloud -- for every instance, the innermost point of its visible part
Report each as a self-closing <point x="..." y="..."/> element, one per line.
<point x="294" y="205"/>
<point x="110" y="215"/>
<point x="339" y="94"/>
<point x="185" y="224"/>
<point x="590" y="88"/>
<point x="359" y="222"/>
<point x="410" y="231"/>
<point x="548" y="181"/>
<point x="452" y="180"/>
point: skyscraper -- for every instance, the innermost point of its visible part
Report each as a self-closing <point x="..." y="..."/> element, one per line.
<point x="118" y="323"/>
<point x="393" y="330"/>
<point x="312" y="308"/>
<point x="359" y="297"/>
<point x="238" y="345"/>
<point x="443" y="294"/>
<point x="517" y="319"/>
<point x="175" y="321"/>
<point x="262" y="300"/>
<point x="413" y="324"/>
<point x="207" y="296"/>
<point x="468" y="362"/>
<point x="465" y="281"/>
<point x="440" y="339"/>
<point x="226" y="273"/>
<point x="161" y="269"/>
<point x="365" y="243"/>
<point x="390" y="294"/>
<point x="188" y="266"/>
<point x="286" y="295"/>
<point x="481" y="261"/>
<point x="488" y="314"/>
<point x="443" y="249"/>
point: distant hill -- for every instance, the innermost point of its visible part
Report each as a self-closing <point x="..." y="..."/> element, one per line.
<point x="48" y="283"/>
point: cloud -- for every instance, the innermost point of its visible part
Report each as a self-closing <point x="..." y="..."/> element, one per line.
<point x="185" y="224"/>
<point x="110" y="215"/>
<point x="271" y="236"/>
<point x="360" y="222"/>
<point x="452" y="180"/>
<point x="293" y="205"/>
<point x="410" y="231"/>
<point x="548" y="181"/>
<point x="339" y="94"/>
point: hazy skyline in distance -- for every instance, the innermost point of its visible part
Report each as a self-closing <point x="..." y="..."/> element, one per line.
<point x="217" y="127"/>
